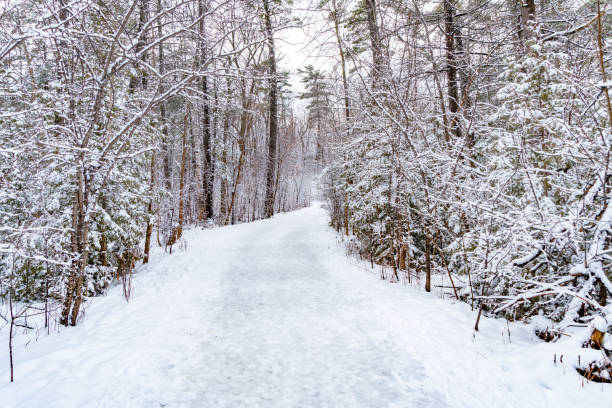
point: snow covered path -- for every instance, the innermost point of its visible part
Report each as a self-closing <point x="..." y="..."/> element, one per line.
<point x="272" y="314"/>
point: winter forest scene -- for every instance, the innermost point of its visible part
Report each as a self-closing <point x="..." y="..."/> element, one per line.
<point x="306" y="203"/>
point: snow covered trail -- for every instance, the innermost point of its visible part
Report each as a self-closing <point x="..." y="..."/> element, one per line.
<point x="272" y="314"/>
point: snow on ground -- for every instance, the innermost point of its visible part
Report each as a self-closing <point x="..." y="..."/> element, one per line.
<point x="272" y="314"/>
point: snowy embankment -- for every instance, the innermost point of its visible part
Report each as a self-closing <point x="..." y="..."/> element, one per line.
<point x="272" y="314"/>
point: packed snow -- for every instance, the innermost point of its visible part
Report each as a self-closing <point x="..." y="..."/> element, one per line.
<point x="273" y="314"/>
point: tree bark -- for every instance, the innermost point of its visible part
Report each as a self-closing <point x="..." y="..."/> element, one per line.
<point x="147" y="248"/>
<point x="181" y="211"/>
<point x="336" y="21"/>
<point x="427" y="262"/>
<point x="79" y="238"/>
<point x="375" y="40"/>
<point x="451" y="66"/>
<point x="205" y="204"/>
<point x="528" y="16"/>
<point x="273" y="121"/>
<point x="140" y="77"/>
<point x="207" y="178"/>
<point x="162" y="110"/>
<point x="224" y="187"/>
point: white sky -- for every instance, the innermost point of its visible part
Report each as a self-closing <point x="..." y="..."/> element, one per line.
<point x="301" y="46"/>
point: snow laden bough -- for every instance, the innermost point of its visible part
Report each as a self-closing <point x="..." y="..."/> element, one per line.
<point x="582" y="289"/>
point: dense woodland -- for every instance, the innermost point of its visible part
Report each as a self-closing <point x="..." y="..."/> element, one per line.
<point x="478" y="146"/>
<point x="464" y="139"/>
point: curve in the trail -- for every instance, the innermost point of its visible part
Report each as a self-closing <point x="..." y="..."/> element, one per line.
<point x="272" y="314"/>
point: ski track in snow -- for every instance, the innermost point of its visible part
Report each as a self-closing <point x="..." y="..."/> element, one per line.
<point x="272" y="314"/>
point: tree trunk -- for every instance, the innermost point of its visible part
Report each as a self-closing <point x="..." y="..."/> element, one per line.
<point x="207" y="178"/>
<point x="427" y="262"/>
<point x="407" y="255"/>
<point x="451" y="67"/>
<point x="12" y="323"/>
<point x="181" y="211"/>
<point x="375" y="40"/>
<point x="463" y="62"/>
<point x="205" y="202"/>
<point x="243" y="133"/>
<point x="80" y="227"/>
<point x="103" y="249"/>
<point x="336" y="21"/>
<point x="528" y="16"/>
<point x="402" y="257"/>
<point x="147" y="248"/>
<point x="177" y="232"/>
<point x="224" y="188"/>
<point x="230" y="208"/>
<point x="273" y="122"/>
<point x="346" y="215"/>
<point x="162" y="110"/>
<point x="140" y="78"/>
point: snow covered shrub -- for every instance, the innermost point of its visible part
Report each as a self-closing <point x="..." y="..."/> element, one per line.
<point x="508" y="193"/>
<point x="71" y="192"/>
<point x="547" y="152"/>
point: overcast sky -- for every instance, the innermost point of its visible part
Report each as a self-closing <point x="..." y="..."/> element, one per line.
<point x="301" y="46"/>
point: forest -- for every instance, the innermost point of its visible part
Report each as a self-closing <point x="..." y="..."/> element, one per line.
<point x="461" y="146"/>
